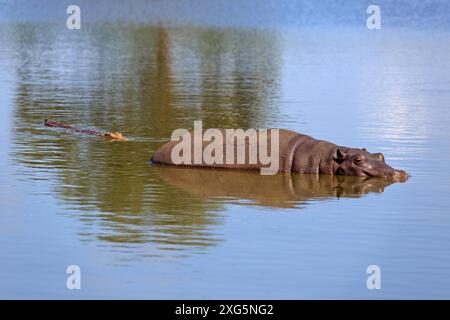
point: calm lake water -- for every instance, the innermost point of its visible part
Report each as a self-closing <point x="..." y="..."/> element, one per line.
<point x="138" y="231"/>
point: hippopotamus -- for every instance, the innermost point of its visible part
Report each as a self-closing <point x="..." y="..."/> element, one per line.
<point x="298" y="153"/>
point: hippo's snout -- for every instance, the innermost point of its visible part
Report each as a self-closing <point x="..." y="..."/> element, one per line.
<point x="398" y="175"/>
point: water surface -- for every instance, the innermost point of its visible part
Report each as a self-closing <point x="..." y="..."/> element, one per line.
<point x="139" y="231"/>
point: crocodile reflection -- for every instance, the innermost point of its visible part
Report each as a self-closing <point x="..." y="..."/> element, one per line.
<point x="281" y="190"/>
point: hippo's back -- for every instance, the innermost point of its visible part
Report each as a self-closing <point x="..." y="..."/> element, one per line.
<point x="287" y="139"/>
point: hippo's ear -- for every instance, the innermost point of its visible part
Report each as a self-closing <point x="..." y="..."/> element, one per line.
<point x="340" y="156"/>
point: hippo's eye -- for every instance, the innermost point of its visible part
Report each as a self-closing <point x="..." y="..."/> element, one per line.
<point x="359" y="160"/>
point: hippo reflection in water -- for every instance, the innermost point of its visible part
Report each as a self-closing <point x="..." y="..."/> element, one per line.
<point x="298" y="153"/>
<point x="283" y="191"/>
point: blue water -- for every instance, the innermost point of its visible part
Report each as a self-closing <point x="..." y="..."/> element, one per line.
<point x="139" y="232"/>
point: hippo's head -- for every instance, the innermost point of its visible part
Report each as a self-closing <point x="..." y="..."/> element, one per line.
<point x="360" y="162"/>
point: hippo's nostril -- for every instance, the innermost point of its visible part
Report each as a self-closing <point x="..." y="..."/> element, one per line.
<point x="399" y="175"/>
